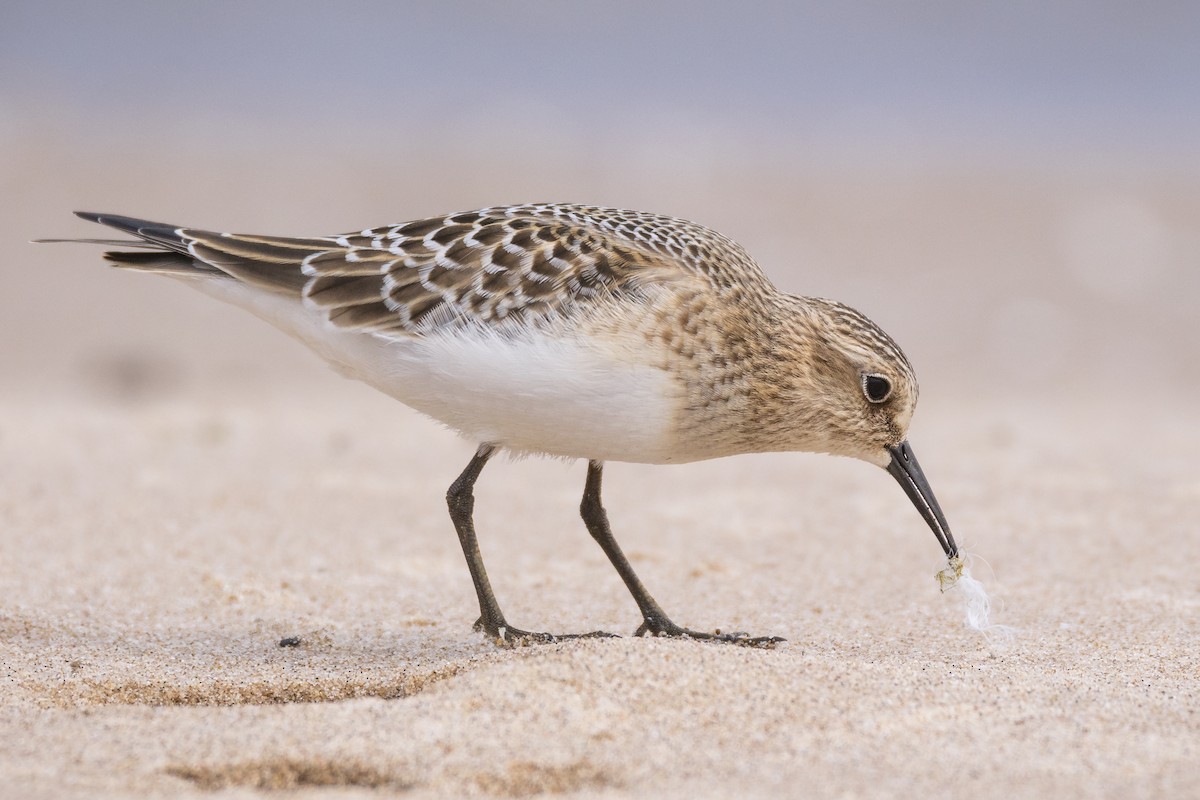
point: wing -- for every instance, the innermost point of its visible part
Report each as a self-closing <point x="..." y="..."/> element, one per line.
<point x="487" y="266"/>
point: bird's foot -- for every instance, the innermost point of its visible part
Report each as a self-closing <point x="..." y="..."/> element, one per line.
<point x="505" y="635"/>
<point x="664" y="627"/>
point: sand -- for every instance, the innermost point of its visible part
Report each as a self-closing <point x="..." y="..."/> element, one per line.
<point x="157" y="552"/>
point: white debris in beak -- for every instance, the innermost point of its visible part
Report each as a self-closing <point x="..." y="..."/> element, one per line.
<point x="977" y="607"/>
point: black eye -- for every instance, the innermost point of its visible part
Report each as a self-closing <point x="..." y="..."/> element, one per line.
<point x="876" y="387"/>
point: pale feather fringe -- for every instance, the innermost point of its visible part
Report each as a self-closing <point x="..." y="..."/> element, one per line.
<point x="956" y="578"/>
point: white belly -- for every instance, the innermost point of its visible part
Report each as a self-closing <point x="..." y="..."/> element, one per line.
<point x="529" y="393"/>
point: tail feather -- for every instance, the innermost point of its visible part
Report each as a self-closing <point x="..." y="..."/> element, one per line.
<point x="163" y="248"/>
<point x="172" y="250"/>
<point x="272" y="263"/>
<point x="105" y="242"/>
<point x="168" y="263"/>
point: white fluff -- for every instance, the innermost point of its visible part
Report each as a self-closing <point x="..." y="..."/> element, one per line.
<point x="977" y="607"/>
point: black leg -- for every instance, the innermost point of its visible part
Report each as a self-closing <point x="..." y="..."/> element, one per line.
<point x="655" y="621"/>
<point x="461" y="501"/>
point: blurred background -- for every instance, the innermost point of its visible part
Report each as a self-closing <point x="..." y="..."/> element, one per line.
<point x="1012" y="190"/>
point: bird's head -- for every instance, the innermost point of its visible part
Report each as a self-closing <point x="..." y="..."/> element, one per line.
<point x="861" y="393"/>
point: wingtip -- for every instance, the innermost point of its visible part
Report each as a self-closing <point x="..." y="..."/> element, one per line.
<point x="135" y="225"/>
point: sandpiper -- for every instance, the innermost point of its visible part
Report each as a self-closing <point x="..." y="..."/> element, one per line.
<point x="572" y="331"/>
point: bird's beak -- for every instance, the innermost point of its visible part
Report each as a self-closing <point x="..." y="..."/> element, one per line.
<point x="907" y="472"/>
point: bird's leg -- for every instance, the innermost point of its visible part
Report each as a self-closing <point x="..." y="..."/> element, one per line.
<point x="460" y="499"/>
<point x="655" y="620"/>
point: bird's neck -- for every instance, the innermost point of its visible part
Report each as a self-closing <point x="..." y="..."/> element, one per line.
<point x="763" y="398"/>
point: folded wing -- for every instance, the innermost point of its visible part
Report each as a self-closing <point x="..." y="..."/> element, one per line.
<point x="488" y="266"/>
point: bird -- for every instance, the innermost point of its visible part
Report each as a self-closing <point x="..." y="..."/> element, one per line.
<point x="571" y="331"/>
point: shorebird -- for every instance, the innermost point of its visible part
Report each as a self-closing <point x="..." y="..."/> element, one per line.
<point x="570" y="331"/>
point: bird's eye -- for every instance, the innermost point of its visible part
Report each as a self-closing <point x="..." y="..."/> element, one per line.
<point x="877" y="388"/>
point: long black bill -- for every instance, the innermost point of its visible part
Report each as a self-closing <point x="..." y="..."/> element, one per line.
<point x="907" y="472"/>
